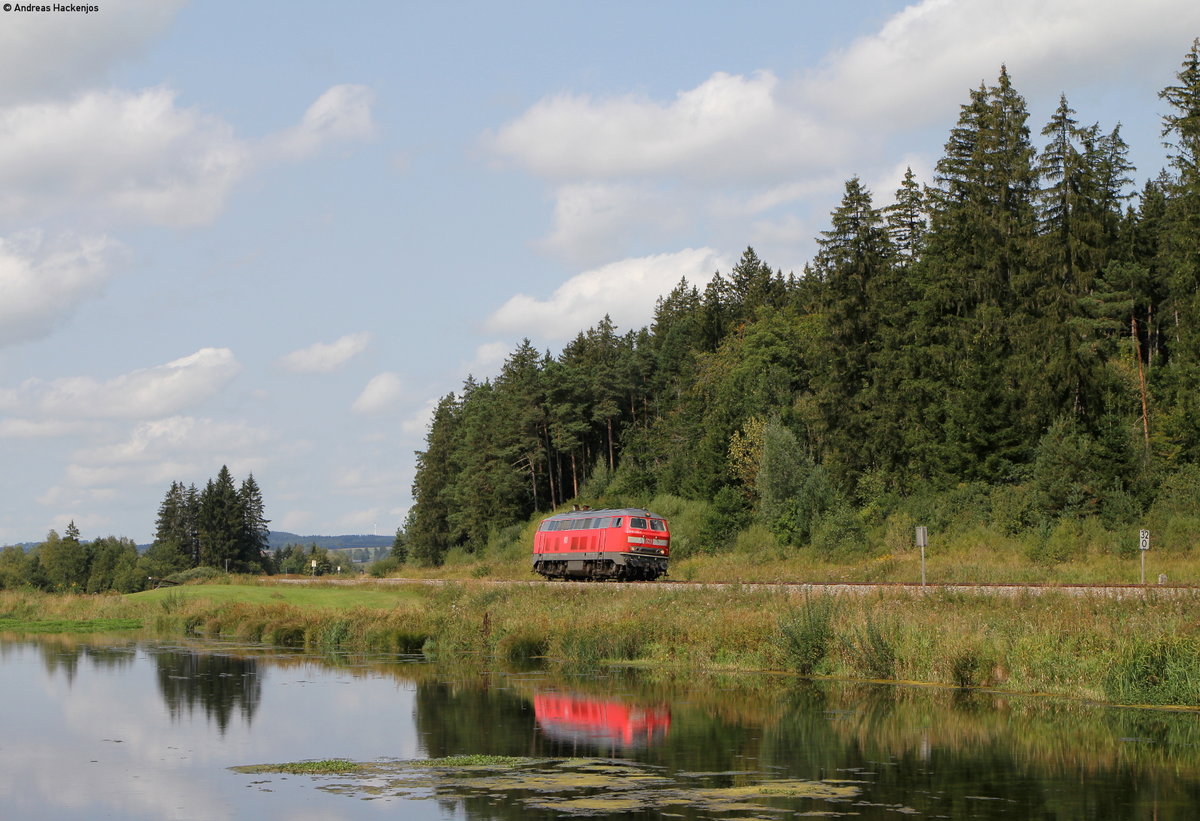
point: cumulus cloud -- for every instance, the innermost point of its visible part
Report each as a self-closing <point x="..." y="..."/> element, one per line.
<point x="140" y="157"/>
<point x="146" y="393"/>
<point x="322" y="357"/>
<point x="729" y="127"/>
<point x="936" y="50"/>
<point x="42" y="281"/>
<point x="133" y="154"/>
<point x="160" y="439"/>
<point x="164" y="450"/>
<point x="341" y="113"/>
<point x="48" y="54"/>
<point x="625" y="290"/>
<point x="591" y="218"/>
<point x="380" y="394"/>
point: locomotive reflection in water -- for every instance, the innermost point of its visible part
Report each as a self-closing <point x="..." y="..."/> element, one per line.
<point x="599" y="724"/>
<point x="629" y="544"/>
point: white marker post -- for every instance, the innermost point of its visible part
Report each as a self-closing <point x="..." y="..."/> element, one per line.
<point x="1144" y="544"/>
<point x="922" y="540"/>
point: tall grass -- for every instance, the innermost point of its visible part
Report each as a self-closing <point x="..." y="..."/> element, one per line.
<point x="1126" y="651"/>
<point x="1159" y="670"/>
<point x="806" y="633"/>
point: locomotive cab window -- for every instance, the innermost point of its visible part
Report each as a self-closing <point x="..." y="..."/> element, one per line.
<point x="617" y="522"/>
<point x="657" y="524"/>
<point x="636" y="522"/>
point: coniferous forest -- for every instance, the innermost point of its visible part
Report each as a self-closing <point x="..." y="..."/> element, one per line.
<point x="1016" y="340"/>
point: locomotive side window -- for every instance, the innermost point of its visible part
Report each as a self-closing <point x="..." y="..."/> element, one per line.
<point x="636" y="522"/>
<point x="617" y="522"/>
<point x="657" y="524"/>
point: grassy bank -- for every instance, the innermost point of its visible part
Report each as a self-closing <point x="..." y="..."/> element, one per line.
<point x="1131" y="652"/>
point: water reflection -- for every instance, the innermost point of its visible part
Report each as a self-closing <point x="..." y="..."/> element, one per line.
<point x="600" y="725"/>
<point x="922" y="751"/>
<point x="219" y="684"/>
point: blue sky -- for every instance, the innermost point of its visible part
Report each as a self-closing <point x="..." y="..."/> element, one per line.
<point x="270" y="235"/>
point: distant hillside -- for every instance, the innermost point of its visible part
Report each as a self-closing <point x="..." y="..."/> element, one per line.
<point x="283" y="538"/>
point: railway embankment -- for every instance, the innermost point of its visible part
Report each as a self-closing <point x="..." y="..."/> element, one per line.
<point x="1141" y="649"/>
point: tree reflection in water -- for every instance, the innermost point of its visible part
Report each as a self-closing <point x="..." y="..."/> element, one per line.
<point x="219" y="684"/>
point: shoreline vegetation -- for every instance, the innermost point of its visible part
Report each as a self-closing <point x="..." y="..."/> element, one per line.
<point x="1142" y="651"/>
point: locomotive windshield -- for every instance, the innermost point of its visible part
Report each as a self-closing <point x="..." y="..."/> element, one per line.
<point x="658" y="524"/>
<point x="637" y="522"/>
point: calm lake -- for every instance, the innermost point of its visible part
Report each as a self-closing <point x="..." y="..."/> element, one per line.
<point x="116" y="728"/>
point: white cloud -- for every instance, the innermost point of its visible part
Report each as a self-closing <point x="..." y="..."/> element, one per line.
<point x="139" y="157"/>
<point x="45" y="54"/>
<point x="625" y="290"/>
<point x="380" y="394"/>
<point x="43" y="281"/>
<point x="161" y="439"/>
<point x="729" y="127"/>
<point x="936" y="50"/>
<point x="136" y="155"/>
<point x="146" y="393"/>
<point x="322" y="357"/>
<point x="487" y="360"/>
<point x="341" y="113"/>
<point x="591" y="219"/>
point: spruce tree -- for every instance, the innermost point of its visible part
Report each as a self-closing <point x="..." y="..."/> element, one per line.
<point x="255" y="533"/>
<point x="1179" y="256"/>
<point x="855" y="254"/>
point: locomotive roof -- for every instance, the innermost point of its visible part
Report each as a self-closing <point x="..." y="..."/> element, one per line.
<point x="587" y="514"/>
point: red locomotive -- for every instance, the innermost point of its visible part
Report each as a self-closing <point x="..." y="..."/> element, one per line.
<point x="628" y="544"/>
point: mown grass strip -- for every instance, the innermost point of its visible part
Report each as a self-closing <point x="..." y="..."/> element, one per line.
<point x="15" y="625"/>
<point x="297" y="595"/>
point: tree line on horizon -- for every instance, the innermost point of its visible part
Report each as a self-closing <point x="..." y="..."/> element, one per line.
<point x="1026" y="326"/>
<point x="223" y="526"/>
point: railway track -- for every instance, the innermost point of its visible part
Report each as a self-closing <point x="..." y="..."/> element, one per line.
<point x="1113" y="591"/>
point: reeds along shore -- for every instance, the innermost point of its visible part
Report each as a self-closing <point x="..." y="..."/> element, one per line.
<point x="1132" y="651"/>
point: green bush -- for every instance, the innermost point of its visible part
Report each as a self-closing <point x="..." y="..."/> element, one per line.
<point x="197" y="574"/>
<point x="385" y="567"/>
<point x="805" y="634"/>
<point x="725" y="518"/>
<point x="839" y="534"/>
<point x="1056" y="545"/>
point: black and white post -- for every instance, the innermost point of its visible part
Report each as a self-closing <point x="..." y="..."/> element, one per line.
<point x="922" y="540"/>
<point x="1144" y="544"/>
